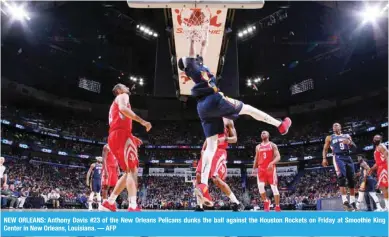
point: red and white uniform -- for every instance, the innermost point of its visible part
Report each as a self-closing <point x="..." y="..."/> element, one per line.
<point x="110" y="171"/>
<point x="120" y="140"/>
<point x="265" y="155"/>
<point x="382" y="168"/>
<point x="219" y="161"/>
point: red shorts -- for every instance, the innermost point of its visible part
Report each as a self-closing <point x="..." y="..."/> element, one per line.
<point x="123" y="146"/>
<point x="111" y="178"/>
<point x="382" y="176"/>
<point x="218" y="166"/>
<point x="268" y="176"/>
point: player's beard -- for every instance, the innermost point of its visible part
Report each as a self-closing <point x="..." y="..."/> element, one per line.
<point x="376" y="142"/>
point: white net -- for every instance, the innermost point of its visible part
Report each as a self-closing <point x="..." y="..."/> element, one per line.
<point x="195" y="23"/>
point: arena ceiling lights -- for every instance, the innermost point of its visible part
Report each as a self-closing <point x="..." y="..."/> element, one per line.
<point x="373" y="12"/>
<point x="137" y="80"/>
<point x="145" y="30"/>
<point x="16" y="11"/>
<point x="254" y="82"/>
<point x="247" y="31"/>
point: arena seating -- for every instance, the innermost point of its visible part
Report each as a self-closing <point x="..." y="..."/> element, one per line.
<point x="32" y="175"/>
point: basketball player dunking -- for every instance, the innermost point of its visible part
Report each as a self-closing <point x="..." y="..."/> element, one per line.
<point x="266" y="158"/>
<point x="367" y="185"/>
<point x="95" y="185"/>
<point x="218" y="170"/>
<point x="124" y="146"/>
<point x="212" y="106"/>
<point x="110" y="172"/>
<point x="341" y="145"/>
<point x="381" y="166"/>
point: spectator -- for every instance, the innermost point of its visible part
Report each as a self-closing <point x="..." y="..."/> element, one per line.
<point x="54" y="198"/>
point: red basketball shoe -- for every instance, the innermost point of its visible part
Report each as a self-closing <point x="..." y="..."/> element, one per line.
<point x="137" y="209"/>
<point x="285" y="125"/>
<point x="107" y="207"/>
<point x="266" y="206"/>
<point x="277" y="208"/>
<point x="202" y="193"/>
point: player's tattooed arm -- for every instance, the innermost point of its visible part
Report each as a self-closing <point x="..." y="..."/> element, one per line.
<point x="277" y="156"/>
<point x="232" y="136"/>
<point x="325" y="150"/>
<point x="123" y="101"/>
<point x="92" y="166"/>
<point x="383" y="150"/>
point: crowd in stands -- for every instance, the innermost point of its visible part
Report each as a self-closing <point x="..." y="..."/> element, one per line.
<point x="34" y="183"/>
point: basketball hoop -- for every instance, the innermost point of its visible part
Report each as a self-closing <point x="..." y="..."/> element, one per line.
<point x="195" y="23"/>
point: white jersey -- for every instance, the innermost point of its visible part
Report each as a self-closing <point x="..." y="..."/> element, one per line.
<point x="2" y="169"/>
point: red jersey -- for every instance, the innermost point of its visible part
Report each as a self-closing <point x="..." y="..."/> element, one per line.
<point x="110" y="160"/>
<point x="117" y="120"/>
<point x="265" y="155"/>
<point x="379" y="158"/>
<point x="221" y="145"/>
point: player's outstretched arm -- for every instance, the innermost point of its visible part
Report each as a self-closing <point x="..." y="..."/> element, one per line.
<point x="92" y="166"/>
<point x="192" y="51"/>
<point x="325" y="150"/>
<point x="123" y="100"/>
<point x="203" y="45"/>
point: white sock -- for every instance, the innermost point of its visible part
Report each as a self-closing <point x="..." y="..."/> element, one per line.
<point x="344" y="198"/>
<point x="199" y="203"/>
<point x="98" y="198"/>
<point x="361" y="198"/>
<point x="91" y="196"/>
<point x="132" y="202"/>
<point x="376" y="200"/>
<point x="386" y="204"/>
<point x="259" y="115"/>
<point x="90" y="205"/>
<point x="352" y="199"/>
<point x="207" y="158"/>
<point x="233" y="198"/>
<point x="112" y="199"/>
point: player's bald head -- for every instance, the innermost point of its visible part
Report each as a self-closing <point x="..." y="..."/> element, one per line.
<point x="120" y="88"/>
<point x="265" y="135"/>
<point x="377" y="139"/>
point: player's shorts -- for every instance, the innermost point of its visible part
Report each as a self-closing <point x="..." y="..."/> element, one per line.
<point x="218" y="165"/>
<point x="267" y="176"/>
<point x="344" y="166"/>
<point x="382" y="176"/>
<point x="123" y="146"/>
<point x="111" y="178"/>
<point x="367" y="185"/>
<point x="213" y="108"/>
<point x="96" y="185"/>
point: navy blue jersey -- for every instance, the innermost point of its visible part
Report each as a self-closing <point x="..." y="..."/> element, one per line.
<point x="205" y="81"/>
<point x="97" y="171"/>
<point x="337" y="145"/>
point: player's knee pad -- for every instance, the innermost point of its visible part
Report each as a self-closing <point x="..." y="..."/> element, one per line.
<point x="274" y="188"/>
<point x="341" y="181"/>
<point x="261" y="187"/>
